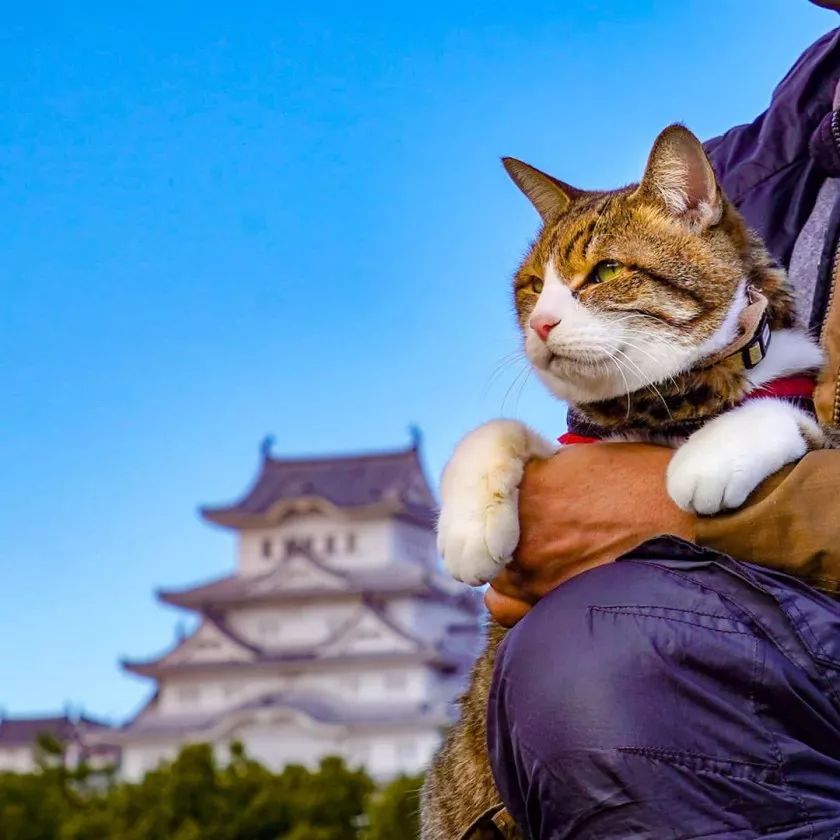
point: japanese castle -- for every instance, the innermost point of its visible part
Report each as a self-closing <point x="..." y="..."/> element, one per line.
<point x="337" y="634"/>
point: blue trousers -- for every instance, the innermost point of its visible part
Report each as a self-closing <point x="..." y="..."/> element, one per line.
<point x="675" y="693"/>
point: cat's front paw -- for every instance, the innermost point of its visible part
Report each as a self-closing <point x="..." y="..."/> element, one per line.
<point x="478" y="528"/>
<point x="721" y="464"/>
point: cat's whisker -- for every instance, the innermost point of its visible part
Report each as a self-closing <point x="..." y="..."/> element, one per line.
<point x="522" y="390"/>
<point x="620" y="369"/>
<point x="502" y="368"/>
<point x="523" y="371"/>
<point x="666" y="346"/>
<point x="650" y="385"/>
<point x="505" y="362"/>
<point x="649" y="354"/>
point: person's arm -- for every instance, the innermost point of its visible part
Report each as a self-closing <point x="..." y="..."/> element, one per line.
<point x="581" y="508"/>
<point x="590" y="504"/>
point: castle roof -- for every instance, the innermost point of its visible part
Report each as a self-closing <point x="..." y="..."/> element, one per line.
<point x="334" y="650"/>
<point x="279" y="585"/>
<point x="24" y="731"/>
<point x="318" y="708"/>
<point x="392" y="482"/>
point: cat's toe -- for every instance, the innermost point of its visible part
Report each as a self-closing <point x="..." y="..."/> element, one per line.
<point x="708" y="496"/>
<point x="695" y="486"/>
<point x="681" y="483"/>
<point x="475" y="544"/>
<point x="477" y="565"/>
<point x="707" y="487"/>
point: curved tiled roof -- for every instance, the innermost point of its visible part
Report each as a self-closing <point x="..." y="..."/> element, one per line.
<point x="394" y="579"/>
<point x="25" y="731"/>
<point x="322" y="709"/>
<point x="352" y="482"/>
<point x="437" y="655"/>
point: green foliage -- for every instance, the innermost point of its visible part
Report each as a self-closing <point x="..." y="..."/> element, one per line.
<point x="394" y="811"/>
<point x="195" y="798"/>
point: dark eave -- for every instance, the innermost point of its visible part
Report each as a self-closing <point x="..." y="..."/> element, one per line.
<point x="272" y="587"/>
<point x="294" y="662"/>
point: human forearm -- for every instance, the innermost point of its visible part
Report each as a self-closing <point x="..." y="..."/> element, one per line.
<point x="589" y="504"/>
<point x="585" y="506"/>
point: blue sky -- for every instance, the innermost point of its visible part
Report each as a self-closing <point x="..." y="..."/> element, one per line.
<point x="260" y="218"/>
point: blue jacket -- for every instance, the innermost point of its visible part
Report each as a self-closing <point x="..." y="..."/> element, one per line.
<point x="673" y="694"/>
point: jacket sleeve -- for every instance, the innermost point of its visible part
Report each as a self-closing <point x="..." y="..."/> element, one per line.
<point x="765" y="167"/>
<point x="791" y="523"/>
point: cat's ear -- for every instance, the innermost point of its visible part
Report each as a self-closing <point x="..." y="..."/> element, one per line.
<point x="550" y="196"/>
<point x="680" y="176"/>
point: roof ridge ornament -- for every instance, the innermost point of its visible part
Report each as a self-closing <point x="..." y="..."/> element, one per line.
<point x="416" y="435"/>
<point x="266" y="445"/>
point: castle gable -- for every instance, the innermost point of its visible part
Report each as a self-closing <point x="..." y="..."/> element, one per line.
<point x="210" y="643"/>
<point x="368" y="632"/>
<point x="302" y="572"/>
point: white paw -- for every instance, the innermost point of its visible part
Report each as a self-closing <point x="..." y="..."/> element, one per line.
<point x="478" y="528"/>
<point x="721" y="464"/>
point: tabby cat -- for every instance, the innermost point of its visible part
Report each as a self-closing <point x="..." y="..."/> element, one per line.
<point x="655" y="313"/>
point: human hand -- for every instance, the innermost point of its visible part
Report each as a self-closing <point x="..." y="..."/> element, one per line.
<point x="583" y="507"/>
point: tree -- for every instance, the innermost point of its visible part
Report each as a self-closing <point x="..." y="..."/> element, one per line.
<point x="394" y="811"/>
<point x="193" y="798"/>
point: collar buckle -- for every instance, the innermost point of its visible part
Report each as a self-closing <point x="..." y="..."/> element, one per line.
<point x="754" y="351"/>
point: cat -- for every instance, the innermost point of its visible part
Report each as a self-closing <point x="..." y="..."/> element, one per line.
<point x="654" y="312"/>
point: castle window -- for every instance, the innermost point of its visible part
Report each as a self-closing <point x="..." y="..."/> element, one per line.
<point x="351" y="543"/>
<point x="329" y="544"/>
<point x="295" y="545"/>
<point x="266" y="549"/>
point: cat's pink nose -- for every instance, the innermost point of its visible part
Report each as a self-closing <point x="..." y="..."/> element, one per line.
<point x="542" y="325"/>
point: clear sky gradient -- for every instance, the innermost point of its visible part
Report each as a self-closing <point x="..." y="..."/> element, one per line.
<point x="224" y="220"/>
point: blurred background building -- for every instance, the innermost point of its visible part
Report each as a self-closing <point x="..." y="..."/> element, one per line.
<point x="336" y="634"/>
<point x="78" y="737"/>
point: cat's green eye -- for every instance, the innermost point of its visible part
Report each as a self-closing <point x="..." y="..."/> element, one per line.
<point x="606" y="271"/>
<point x="535" y="284"/>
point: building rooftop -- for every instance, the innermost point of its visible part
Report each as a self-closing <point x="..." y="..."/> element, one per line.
<point x="322" y="654"/>
<point x="316" y="708"/>
<point x="393" y="481"/>
<point x="24" y="731"/>
<point x="275" y="586"/>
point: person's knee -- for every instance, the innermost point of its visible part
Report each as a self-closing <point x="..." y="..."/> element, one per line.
<point x="615" y="658"/>
<point x="556" y="666"/>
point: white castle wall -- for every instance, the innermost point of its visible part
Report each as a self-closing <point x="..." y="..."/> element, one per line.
<point x="195" y="695"/>
<point x="291" y="626"/>
<point x="17" y="759"/>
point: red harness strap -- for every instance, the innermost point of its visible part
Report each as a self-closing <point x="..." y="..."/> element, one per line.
<point x="569" y="438"/>
<point x="788" y="387"/>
